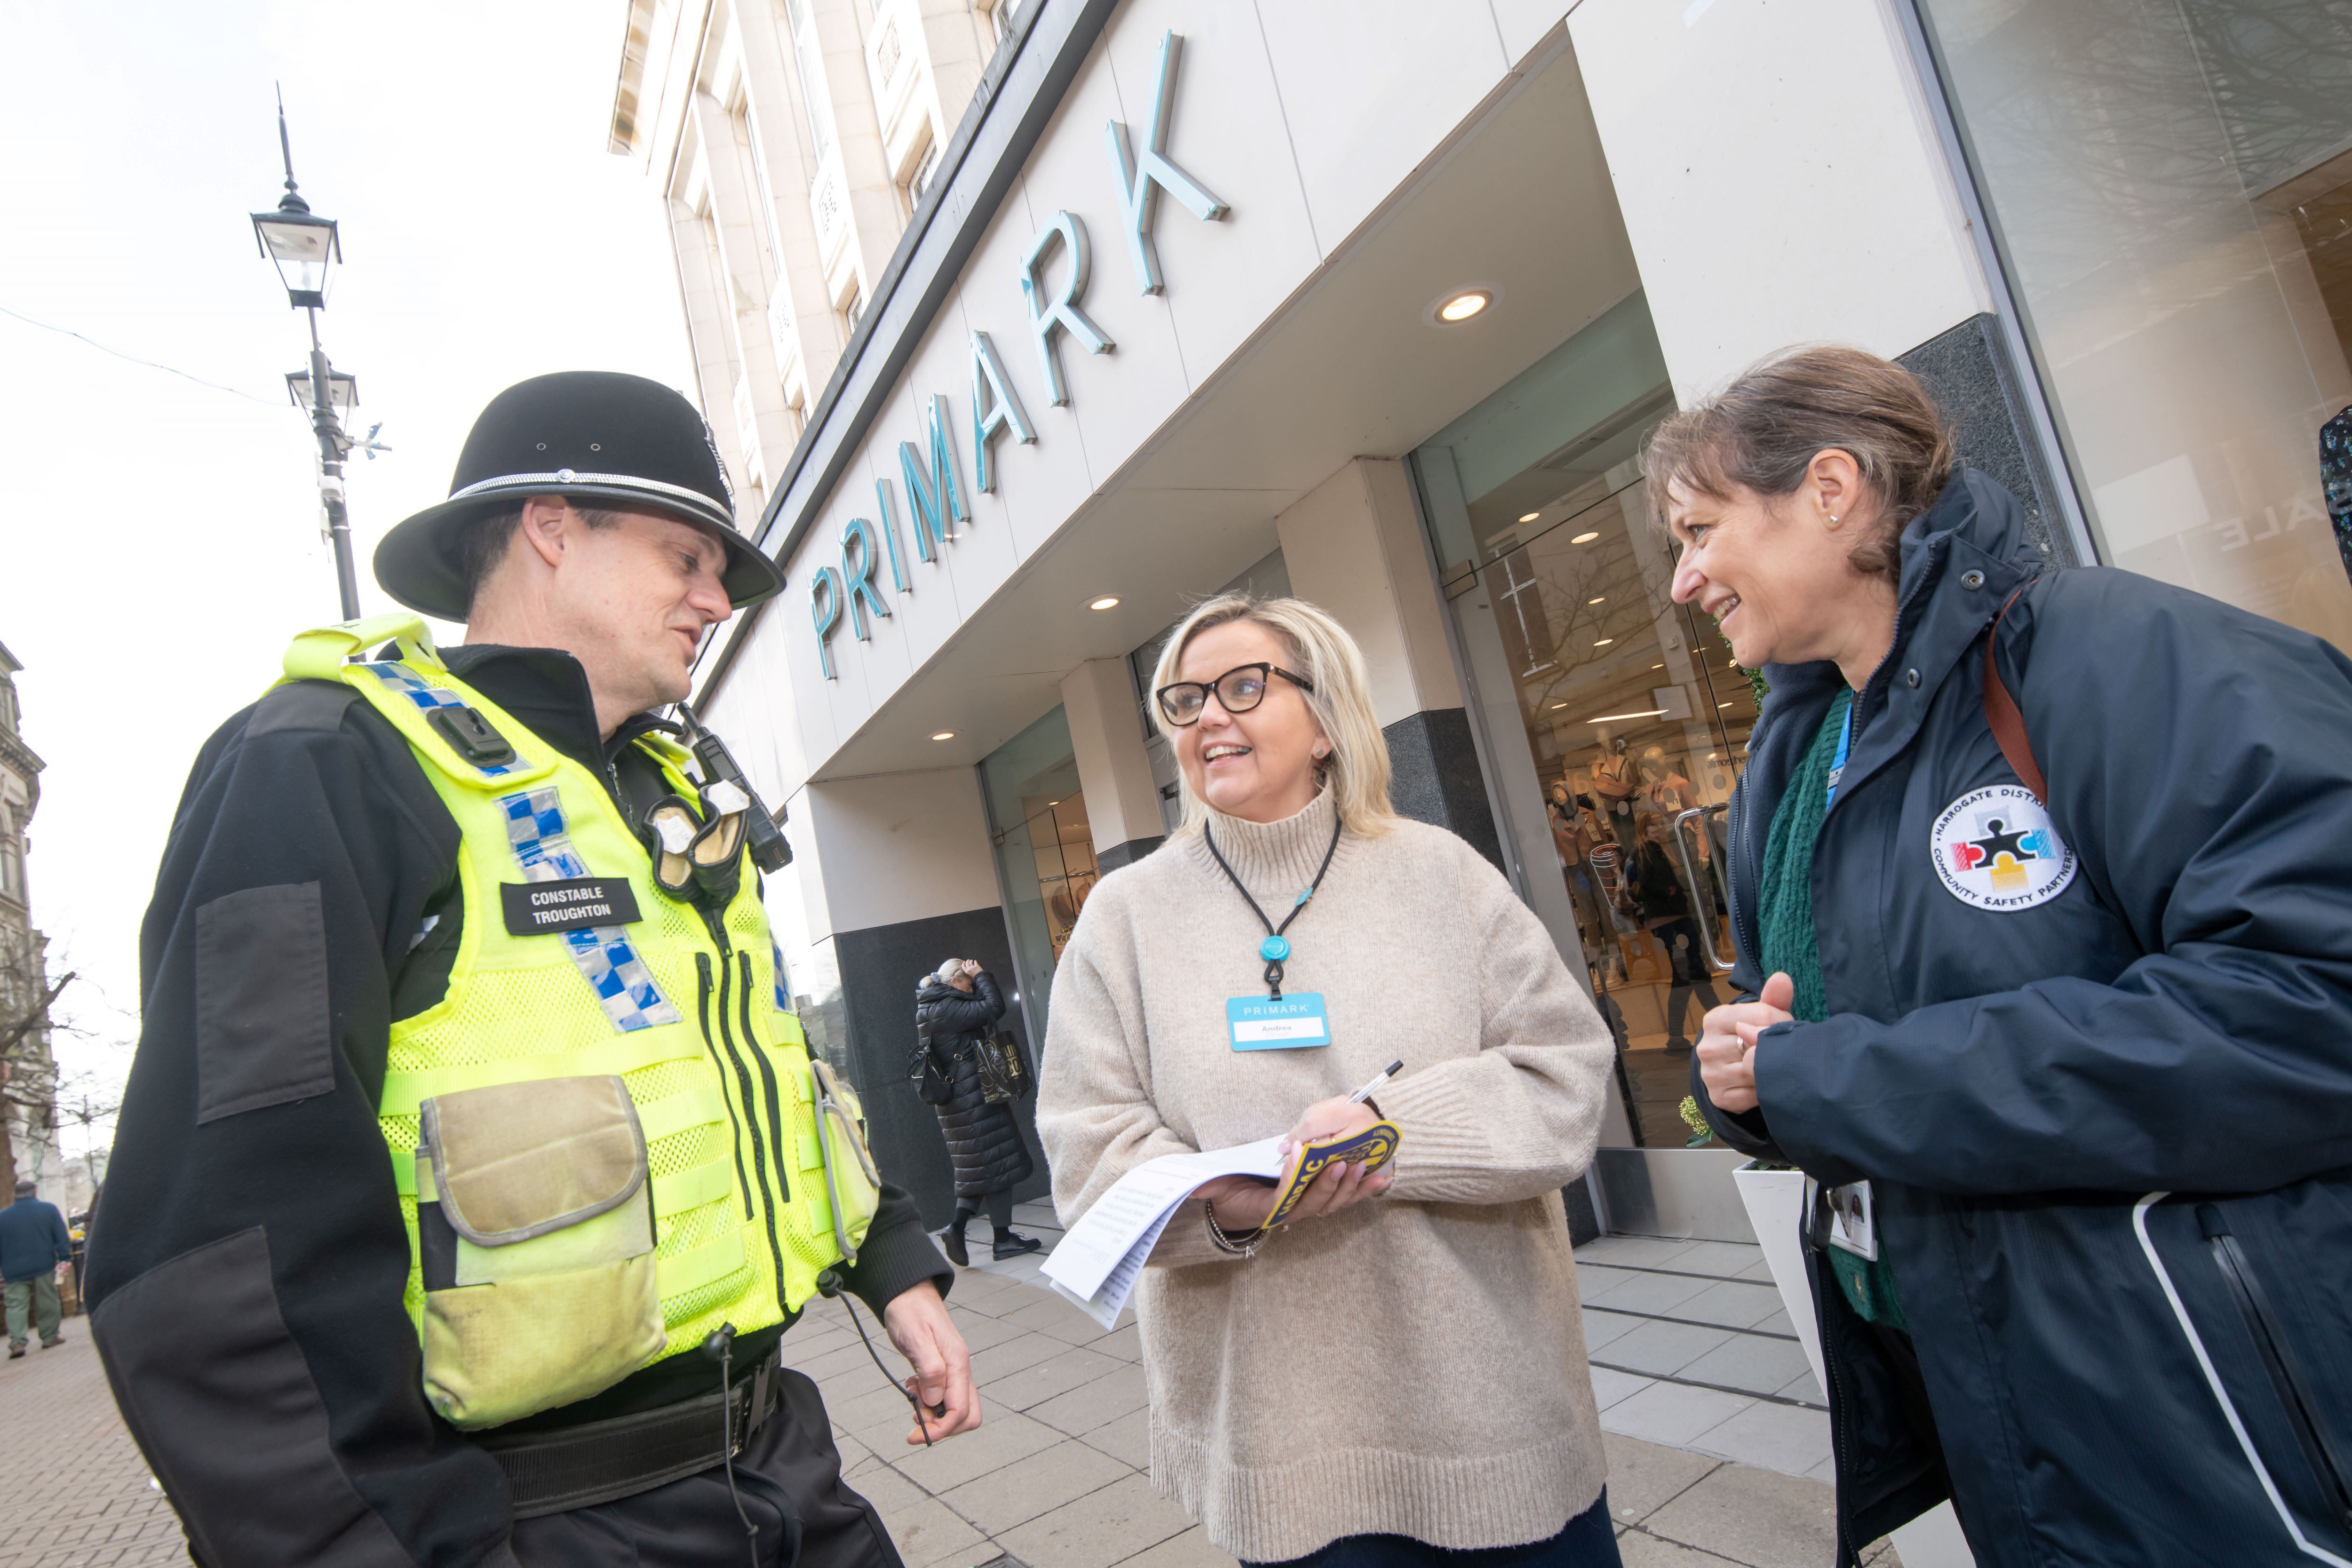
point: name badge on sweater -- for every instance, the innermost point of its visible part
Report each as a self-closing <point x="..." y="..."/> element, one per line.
<point x="1263" y="1024"/>
<point x="535" y="909"/>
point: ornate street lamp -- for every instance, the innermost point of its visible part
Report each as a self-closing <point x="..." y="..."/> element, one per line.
<point x="304" y="246"/>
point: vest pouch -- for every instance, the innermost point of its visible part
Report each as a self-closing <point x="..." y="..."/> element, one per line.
<point x="535" y="1230"/>
<point x="851" y="1182"/>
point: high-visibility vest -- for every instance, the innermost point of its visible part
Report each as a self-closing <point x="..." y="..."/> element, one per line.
<point x="687" y="1009"/>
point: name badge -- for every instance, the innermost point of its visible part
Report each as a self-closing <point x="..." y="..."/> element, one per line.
<point x="535" y="909"/>
<point x="1263" y="1024"/>
<point x="1854" y="1224"/>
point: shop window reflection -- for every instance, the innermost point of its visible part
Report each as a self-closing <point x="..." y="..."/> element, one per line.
<point x="1634" y="721"/>
<point x="2171" y="192"/>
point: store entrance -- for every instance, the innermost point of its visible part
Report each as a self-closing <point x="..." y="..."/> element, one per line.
<point x="1044" y="855"/>
<point x="1618" y="719"/>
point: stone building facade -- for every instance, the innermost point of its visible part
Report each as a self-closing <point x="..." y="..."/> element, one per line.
<point x="28" y="1104"/>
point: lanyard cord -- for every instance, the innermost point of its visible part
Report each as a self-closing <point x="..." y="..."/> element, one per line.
<point x="1273" y="932"/>
<point x="1837" y="763"/>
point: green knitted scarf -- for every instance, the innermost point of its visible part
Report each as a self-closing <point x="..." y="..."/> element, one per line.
<point x="1785" y="923"/>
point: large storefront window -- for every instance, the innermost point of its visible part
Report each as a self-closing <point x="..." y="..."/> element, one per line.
<point x="2172" y="185"/>
<point x="1616" y="719"/>
<point x="1045" y="851"/>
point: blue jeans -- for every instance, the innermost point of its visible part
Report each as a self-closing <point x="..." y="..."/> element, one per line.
<point x="1587" y="1541"/>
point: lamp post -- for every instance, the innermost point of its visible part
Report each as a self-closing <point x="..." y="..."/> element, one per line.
<point x="304" y="246"/>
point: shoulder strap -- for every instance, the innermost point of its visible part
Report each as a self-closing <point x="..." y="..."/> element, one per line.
<point x="2001" y="712"/>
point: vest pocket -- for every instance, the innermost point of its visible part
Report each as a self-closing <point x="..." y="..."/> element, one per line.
<point x="535" y="1228"/>
<point x="851" y="1180"/>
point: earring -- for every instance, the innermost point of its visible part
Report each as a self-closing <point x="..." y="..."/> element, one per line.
<point x="1832" y="520"/>
<point x="1321" y="750"/>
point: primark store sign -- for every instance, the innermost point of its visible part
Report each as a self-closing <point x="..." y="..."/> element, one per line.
<point x="927" y="468"/>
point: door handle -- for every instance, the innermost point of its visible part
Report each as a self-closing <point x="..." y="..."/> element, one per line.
<point x="1700" y="887"/>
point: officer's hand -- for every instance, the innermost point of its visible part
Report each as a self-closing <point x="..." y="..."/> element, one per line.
<point x="1726" y="1043"/>
<point x="919" y="1326"/>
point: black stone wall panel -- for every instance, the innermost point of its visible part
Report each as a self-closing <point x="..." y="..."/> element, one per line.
<point x="1435" y="778"/>
<point x="1976" y="386"/>
<point x="880" y="966"/>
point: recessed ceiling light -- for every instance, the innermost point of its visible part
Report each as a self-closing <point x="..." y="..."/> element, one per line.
<point x="1723" y="705"/>
<point x="1103" y="602"/>
<point x="1731" y="664"/>
<point x="1657" y="666"/>
<point x="1597" y="598"/>
<point x="1604" y="642"/>
<point x="1053" y="803"/>
<point x="1557" y="706"/>
<point x="1586" y="538"/>
<point x="1529" y="517"/>
<point x="1464" y="305"/>
<point x="943" y="735"/>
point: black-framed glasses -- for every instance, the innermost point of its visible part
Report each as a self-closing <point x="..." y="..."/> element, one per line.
<point x="1238" y="691"/>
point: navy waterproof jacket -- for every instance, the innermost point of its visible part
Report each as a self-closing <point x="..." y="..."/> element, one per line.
<point x="2110" y="1132"/>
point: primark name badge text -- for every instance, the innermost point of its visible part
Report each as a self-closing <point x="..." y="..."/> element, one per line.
<point x="1263" y="1024"/>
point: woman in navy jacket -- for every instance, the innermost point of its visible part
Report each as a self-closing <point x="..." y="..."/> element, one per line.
<point x="2087" y="1038"/>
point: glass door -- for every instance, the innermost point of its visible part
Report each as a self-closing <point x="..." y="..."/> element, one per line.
<point x="1618" y="719"/>
<point x="1044" y="853"/>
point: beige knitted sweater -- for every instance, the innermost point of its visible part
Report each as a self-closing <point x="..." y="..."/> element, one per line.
<point x="1416" y="1364"/>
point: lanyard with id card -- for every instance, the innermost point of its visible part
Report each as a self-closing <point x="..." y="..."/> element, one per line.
<point x="1275" y="1022"/>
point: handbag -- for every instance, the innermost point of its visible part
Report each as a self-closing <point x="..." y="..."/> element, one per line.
<point x="932" y="1084"/>
<point x="1003" y="1072"/>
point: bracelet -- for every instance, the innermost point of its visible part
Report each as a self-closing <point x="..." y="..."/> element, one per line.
<point x="1244" y="1245"/>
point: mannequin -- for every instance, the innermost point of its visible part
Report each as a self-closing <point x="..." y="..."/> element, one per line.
<point x="1573" y="835"/>
<point x="1663" y="785"/>
<point x="1613" y="782"/>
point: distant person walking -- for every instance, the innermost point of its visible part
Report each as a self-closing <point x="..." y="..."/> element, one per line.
<point x="33" y="1242"/>
<point x="957" y="1009"/>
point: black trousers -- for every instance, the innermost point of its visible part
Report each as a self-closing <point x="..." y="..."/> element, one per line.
<point x="999" y="1206"/>
<point x="788" y="1475"/>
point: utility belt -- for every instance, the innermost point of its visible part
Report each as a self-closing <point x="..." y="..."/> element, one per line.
<point x="604" y="1461"/>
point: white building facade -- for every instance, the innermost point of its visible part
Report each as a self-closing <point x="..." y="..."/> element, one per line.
<point x="1022" y="327"/>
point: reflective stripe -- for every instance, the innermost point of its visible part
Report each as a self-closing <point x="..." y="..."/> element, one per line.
<point x="406" y="1090"/>
<point x="427" y="698"/>
<point x="624" y="986"/>
<point x="2221" y="1395"/>
<point x="714" y="1259"/>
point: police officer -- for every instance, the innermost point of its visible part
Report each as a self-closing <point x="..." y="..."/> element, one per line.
<point x="470" y="1172"/>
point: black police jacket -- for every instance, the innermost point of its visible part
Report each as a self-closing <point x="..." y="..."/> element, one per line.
<point x="245" y="1285"/>
<point x="2109" y="1129"/>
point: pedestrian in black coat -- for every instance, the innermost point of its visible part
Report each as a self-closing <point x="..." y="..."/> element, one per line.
<point x="960" y="1005"/>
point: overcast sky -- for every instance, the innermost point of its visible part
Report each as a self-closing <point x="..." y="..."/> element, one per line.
<point x="161" y="542"/>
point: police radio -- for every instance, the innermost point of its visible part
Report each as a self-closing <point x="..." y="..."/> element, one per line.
<point x="763" y="834"/>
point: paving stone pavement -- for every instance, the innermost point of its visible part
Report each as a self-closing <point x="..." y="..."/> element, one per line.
<point x="1056" y="1478"/>
<point x="73" y="1491"/>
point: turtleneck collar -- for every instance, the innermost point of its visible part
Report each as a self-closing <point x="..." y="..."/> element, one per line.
<point x="1274" y="859"/>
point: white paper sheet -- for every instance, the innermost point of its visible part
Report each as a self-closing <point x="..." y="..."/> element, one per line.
<point x="1100" y="1258"/>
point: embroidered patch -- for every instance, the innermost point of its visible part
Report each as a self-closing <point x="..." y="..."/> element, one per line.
<point x="1996" y="849"/>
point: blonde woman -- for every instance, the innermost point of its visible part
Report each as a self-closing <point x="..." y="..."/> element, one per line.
<point x="1399" y="1369"/>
